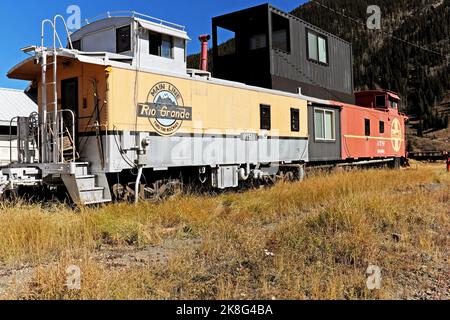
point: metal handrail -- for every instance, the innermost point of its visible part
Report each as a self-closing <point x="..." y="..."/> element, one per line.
<point x="60" y="17"/>
<point x="98" y="125"/>
<point x="134" y="14"/>
<point x="10" y="137"/>
<point x="44" y="52"/>
<point x="59" y="121"/>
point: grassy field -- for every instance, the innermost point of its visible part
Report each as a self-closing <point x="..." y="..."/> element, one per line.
<point x="309" y="240"/>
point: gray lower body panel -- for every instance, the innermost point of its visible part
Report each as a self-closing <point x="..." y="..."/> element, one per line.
<point x="187" y="151"/>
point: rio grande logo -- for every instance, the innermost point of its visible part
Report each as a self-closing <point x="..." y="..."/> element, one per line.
<point x="396" y="135"/>
<point x="165" y="109"/>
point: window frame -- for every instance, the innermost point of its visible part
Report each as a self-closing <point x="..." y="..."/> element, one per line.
<point x="287" y="32"/>
<point x="333" y="131"/>
<point x="159" y="37"/>
<point x="77" y="45"/>
<point x="367" y="122"/>
<point x="376" y="101"/>
<point x="393" y="101"/>
<point x="263" y="125"/>
<point x="382" y="127"/>
<point x="172" y="44"/>
<point x="256" y="37"/>
<point x="293" y="128"/>
<point x="117" y="39"/>
<point x="5" y="131"/>
<point x="318" y="35"/>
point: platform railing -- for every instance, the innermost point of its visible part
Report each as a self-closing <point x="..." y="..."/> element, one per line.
<point x="30" y="147"/>
<point x="64" y="131"/>
<point x="134" y="14"/>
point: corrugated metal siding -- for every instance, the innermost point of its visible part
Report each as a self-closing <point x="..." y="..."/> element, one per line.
<point x="324" y="151"/>
<point x="337" y="76"/>
<point x="5" y="152"/>
<point x="15" y="103"/>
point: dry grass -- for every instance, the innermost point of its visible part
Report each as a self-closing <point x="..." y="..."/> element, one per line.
<point x="310" y="240"/>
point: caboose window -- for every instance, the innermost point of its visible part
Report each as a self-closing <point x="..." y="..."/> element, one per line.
<point x="394" y="103"/>
<point x="166" y="47"/>
<point x="324" y="125"/>
<point x="381" y="126"/>
<point x="76" y="45"/>
<point x="367" y="127"/>
<point x="160" y="45"/>
<point x="123" y="39"/>
<point x="265" y="117"/>
<point x="295" y="120"/>
<point x="380" y="101"/>
<point x="317" y="47"/>
<point x="154" y="43"/>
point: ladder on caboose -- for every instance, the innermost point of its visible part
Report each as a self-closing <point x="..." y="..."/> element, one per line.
<point x="51" y="150"/>
<point x="58" y="140"/>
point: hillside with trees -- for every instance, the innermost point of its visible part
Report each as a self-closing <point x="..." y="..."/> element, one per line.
<point x="409" y="55"/>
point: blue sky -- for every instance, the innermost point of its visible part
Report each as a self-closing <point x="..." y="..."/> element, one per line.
<point x="21" y="19"/>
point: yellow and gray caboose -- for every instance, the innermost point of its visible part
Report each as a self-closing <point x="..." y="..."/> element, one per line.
<point x="119" y="112"/>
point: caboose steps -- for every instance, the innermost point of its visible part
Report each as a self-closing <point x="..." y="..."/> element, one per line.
<point x="84" y="188"/>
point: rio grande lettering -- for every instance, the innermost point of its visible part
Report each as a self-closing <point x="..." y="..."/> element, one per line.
<point x="159" y="111"/>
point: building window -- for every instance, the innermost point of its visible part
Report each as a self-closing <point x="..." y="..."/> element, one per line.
<point x="281" y="38"/>
<point x="5" y="131"/>
<point x="123" y="39"/>
<point x="265" y="117"/>
<point x="226" y="40"/>
<point x="160" y="45"/>
<point x="76" y="45"/>
<point x="324" y="125"/>
<point x="258" y="41"/>
<point x="317" y="47"/>
<point x="380" y="101"/>
<point x="295" y="120"/>
<point x="367" y="127"/>
<point x="381" y="127"/>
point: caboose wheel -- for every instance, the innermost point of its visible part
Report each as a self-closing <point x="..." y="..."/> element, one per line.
<point x="168" y="189"/>
<point x="119" y="192"/>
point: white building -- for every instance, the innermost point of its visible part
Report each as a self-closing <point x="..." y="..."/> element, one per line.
<point x="13" y="103"/>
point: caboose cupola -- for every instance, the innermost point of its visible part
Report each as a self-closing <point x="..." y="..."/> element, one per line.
<point x="378" y="99"/>
<point x="151" y="43"/>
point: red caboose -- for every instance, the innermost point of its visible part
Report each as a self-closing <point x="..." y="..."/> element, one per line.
<point x="373" y="128"/>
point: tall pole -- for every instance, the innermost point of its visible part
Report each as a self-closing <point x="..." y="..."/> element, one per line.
<point x="44" y="106"/>
<point x="55" y="99"/>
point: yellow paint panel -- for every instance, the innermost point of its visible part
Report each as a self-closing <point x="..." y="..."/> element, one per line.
<point x="215" y="107"/>
<point x="86" y="74"/>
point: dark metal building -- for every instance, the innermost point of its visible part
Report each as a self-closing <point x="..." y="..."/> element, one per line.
<point x="266" y="47"/>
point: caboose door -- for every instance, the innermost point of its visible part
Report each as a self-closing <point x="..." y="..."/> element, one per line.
<point x="69" y="101"/>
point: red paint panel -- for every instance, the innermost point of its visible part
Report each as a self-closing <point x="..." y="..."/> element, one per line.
<point x="356" y="144"/>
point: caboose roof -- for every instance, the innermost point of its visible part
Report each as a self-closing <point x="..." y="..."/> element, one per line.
<point x="120" y="18"/>
<point x="391" y="94"/>
<point x="28" y="70"/>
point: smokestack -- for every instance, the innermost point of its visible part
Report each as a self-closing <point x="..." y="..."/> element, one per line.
<point x="204" y="38"/>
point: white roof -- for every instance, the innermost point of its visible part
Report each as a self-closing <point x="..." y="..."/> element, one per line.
<point x="164" y="29"/>
<point x="15" y="103"/>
